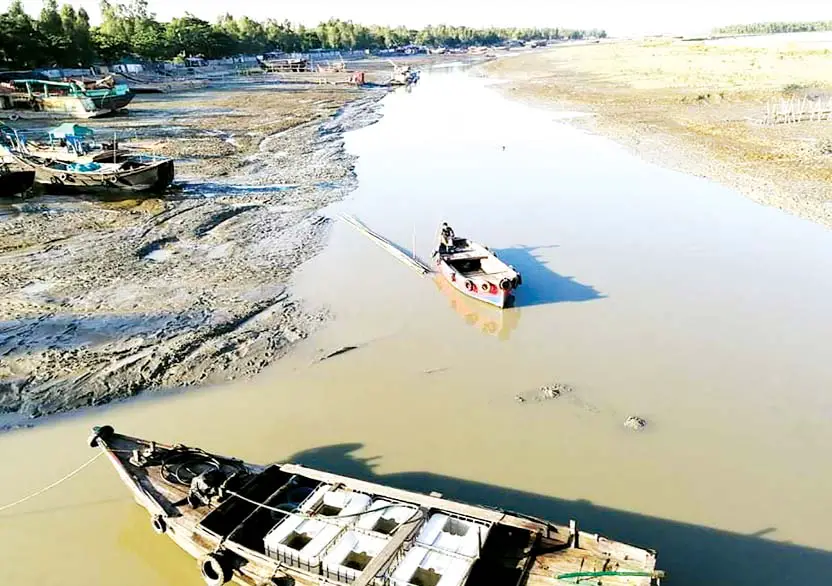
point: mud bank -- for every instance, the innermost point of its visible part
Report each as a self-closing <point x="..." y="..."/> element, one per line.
<point x="696" y="107"/>
<point x="103" y="300"/>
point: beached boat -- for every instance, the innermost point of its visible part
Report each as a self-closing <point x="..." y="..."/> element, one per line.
<point x="289" y="524"/>
<point x="14" y="183"/>
<point x="124" y="172"/>
<point x="477" y="272"/>
<point x="63" y="98"/>
<point x="403" y="75"/>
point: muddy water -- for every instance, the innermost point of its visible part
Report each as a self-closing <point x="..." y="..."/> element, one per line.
<point x="649" y="292"/>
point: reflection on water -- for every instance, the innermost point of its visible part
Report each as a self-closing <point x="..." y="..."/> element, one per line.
<point x="649" y="292"/>
<point x="479" y="315"/>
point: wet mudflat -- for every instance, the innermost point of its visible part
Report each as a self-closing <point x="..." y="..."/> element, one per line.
<point x="646" y="293"/>
<point x="103" y="299"/>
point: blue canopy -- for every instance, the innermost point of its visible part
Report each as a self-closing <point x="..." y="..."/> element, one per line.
<point x="70" y="129"/>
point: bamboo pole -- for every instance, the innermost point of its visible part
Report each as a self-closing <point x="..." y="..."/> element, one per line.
<point x="379" y="240"/>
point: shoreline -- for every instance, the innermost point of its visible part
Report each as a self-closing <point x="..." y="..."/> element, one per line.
<point x="672" y="127"/>
<point x="106" y="300"/>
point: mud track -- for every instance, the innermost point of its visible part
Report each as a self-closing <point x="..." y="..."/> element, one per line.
<point x="101" y="301"/>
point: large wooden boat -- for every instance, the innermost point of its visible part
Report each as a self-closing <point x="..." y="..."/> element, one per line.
<point x="13" y="183"/>
<point x="474" y="270"/>
<point x="64" y="98"/>
<point x="289" y="524"/>
<point x="126" y="172"/>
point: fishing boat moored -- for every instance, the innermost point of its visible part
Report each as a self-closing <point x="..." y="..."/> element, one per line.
<point x="64" y="98"/>
<point x="477" y="272"/>
<point x="126" y="172"/>
<point x="289" y="524"/>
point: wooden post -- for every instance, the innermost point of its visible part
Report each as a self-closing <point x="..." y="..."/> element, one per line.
<point x="573" y="532"/>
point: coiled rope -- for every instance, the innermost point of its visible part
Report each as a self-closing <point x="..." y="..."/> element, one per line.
<point x="53" y="485"/>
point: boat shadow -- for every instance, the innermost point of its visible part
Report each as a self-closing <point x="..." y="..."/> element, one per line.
<point x="541" y="285"/>
<point x="692" y="555"/>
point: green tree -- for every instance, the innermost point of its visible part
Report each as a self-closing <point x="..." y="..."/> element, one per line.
<point x="56" y="47"/>
<point x="19" y="38"/>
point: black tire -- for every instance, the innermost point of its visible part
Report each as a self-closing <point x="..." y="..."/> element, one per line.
<point x="215" y="569"/>
<point x="160" y="526"/>
<point x="100" y="433"/>
<point x="505" y="284"/>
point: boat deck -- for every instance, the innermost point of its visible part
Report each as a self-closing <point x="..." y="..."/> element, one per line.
<point x="267" y="518"/>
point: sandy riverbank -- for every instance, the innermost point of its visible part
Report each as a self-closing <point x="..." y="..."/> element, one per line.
<point x="103" y="300"/>
<point x="693" y="106"/>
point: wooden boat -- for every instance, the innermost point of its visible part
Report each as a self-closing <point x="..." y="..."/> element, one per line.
<point x="127" y="172"/>
<point x="403" y="75"/>
<point x="477" y="272"/>
<point x="289" y="524"/>
<point x="13" y="183"/>
<point x="66" y="98"/>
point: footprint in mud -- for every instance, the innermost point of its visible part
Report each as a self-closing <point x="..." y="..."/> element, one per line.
<point x="156" y="250"/>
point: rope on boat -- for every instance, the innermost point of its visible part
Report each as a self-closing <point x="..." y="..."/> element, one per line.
<point x="277" y="510"/>
<point x="53" y="485"/>
<point x="411" y="261"/>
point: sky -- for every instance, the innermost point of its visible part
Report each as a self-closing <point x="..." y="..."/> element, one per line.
<point x="622" y="17"/>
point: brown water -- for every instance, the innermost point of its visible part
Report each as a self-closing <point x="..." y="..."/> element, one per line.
<point x="650" y="292"/>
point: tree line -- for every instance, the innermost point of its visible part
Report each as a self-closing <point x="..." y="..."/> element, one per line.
<point x="63" y="37"/>
<point x="767" y="28"/>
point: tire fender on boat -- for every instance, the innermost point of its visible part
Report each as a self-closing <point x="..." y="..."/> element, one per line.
<point x="103" y="433"/>
<point x="63" y="176"/>
<point x="215" y="569"/>
<point x="470" y="285"/>
<point x="484" y="287"/>
<point x="55" y="180"/>
<point x="505" y="284"/>
<point x="14" y="116"/>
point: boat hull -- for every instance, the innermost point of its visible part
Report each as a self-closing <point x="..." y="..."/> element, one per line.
<point x="502" y="298"/>
<point x="108" y="104"/>
<point x="14" y="183"/>
<point x="149" y="178"/>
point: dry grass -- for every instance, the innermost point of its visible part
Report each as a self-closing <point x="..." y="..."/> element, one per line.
<point x="703" y="97"/>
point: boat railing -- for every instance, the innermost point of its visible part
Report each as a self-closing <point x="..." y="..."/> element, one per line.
<point x="296" y="561"/>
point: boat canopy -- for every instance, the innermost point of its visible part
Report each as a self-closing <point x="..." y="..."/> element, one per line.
<point x="70" y="129"/>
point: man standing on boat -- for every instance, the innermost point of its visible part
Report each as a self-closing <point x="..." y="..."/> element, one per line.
<point x="446" y="238"/>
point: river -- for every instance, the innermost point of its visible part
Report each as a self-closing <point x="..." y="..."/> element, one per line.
<point x="648" y="292"/>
